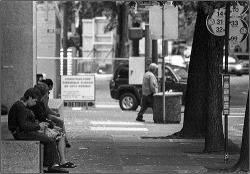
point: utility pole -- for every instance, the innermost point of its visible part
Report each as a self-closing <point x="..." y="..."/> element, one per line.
<point x="65" y="37"/>
<point x="163" y="65"/>
<point x="227" y="23"/>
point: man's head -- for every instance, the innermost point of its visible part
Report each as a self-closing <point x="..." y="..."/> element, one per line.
<point x="30" y="97"/>
<point x="48" y="82"/>
<point x="42" y="90"/>
<point x="153" y="67"/>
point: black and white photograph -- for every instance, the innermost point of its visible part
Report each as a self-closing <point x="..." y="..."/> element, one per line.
<point x="124" y="86"/>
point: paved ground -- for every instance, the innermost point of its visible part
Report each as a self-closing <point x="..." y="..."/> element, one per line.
<point x="108" y="140"/>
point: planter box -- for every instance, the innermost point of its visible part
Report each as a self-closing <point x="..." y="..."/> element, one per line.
<point x="172" y="107"/>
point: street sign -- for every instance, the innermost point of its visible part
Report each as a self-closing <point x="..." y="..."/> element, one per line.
<point x="78" y="88"/>
<point x="226" y="94"/>
<point x="56" y="31"/>
<point x="238" y="28"/>
<point x="170" y="22"/>
<point x="238" y="10"/>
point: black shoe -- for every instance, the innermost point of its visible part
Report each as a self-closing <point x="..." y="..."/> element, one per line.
<point x="140" y="119"/>
<point x="67" y="144"/>
<point x="56" y="169"/>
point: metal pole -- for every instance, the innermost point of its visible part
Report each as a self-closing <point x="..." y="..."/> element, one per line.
<point x="64" y="39"/>
<point x="163" y="66"/>
<point x="146" y="45"/>
<point x="154" y="51"/>
<point x="227" y="16"/>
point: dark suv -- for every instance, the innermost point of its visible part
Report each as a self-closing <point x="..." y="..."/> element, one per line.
<point x="129" y="96"/>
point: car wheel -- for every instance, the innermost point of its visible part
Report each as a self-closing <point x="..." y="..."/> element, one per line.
<point x="128" y="102"/>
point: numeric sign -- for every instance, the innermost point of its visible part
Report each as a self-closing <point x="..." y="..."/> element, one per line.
<point x="238" y="28"/>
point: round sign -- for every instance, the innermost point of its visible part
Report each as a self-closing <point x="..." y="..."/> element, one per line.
<point x="216" y="22"/>
<point x="238" y="10"/>
<point x="238" y="28"/>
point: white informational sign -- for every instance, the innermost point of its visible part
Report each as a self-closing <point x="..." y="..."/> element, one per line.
<point x="136" y="70"/>
<point x="170" y="22"/>
<point x="80" y="88"/>
<point x="238" y="28"/>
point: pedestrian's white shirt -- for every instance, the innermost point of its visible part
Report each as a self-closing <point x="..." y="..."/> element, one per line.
<point x="149" y="84"/>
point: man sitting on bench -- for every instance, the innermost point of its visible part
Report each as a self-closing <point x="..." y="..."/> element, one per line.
<point x="22" y="124"/>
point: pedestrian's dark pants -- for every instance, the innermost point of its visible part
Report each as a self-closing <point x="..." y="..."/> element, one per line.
<point x="50" y="149"/>
<point x="146" y="102"/>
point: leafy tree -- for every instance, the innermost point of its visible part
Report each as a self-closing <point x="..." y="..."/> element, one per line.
<point x="187" y="19"/>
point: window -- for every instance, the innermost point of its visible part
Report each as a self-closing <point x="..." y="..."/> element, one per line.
<point x="123" y="73"/>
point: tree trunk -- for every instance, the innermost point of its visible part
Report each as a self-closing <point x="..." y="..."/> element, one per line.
<point x="243" y="163"/>
<point x="195" y="101"/>
<point x="213" y="107"/>
<point x="122" y="34"/>
<point x="203" y="106"/>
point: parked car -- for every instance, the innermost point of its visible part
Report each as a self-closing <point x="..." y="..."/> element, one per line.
<point x="234" y="65"/>
<point x="129" y="96"/>
<point x="244" y="57"/>
<point x="178" y="60"/>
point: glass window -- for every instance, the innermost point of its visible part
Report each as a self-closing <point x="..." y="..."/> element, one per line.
<point x="123" y="73"/>
<point x="181" y="73"/>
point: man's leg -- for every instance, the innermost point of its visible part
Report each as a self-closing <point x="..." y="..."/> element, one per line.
<point x="62" y="150"/>
<point x="150" y="101"/>
<point x="60" y="123"/>
<point x="49" y="145"/>
<point x="143" y="109"/>
<point x="61" y="146"/>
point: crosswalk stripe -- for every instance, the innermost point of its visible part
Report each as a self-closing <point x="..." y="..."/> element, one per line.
<point x="115" y="123"/>
<point x="119" y="126"/>
<point x="117" y="129"/>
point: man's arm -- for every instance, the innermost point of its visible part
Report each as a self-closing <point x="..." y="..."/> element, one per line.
<point x="48" y="109"/>
<point x="24" y="122"/>
<point x="153" y="84"/>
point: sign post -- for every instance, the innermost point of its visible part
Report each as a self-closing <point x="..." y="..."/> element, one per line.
<point x="227" y="22"/>
<point x="165" y="16"/>
<point x="163" y="68"/>
<point x="226" y="79"/>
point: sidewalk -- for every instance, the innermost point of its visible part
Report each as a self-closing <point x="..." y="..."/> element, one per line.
<point x="126" y="152"/>
<point x="119" y="152"/>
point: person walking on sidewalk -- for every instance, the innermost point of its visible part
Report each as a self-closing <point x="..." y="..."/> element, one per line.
<point x="149" y="88"/>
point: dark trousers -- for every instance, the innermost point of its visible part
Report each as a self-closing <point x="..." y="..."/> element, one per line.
<point x="146" y="102"/>
<point x="50" y="149"/>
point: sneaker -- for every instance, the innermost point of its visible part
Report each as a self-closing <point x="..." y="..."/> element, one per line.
<point x="140" y="119"/>
<point x="56" y="169"/>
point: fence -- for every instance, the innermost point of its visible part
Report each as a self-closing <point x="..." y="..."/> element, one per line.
<point x="103" y="70"/>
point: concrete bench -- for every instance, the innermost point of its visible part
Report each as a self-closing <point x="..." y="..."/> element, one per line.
<point x="21" y="156"/>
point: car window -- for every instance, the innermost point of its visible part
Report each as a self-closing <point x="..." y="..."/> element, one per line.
<point x="123" y="73"/>
<point x="230" y="59"/>
<point x="181" y="73"/>
<point x="169" y="73"/>
<point x="243" y="57"/>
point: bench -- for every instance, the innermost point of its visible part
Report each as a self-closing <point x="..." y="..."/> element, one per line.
<point x="22" y="156"/>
